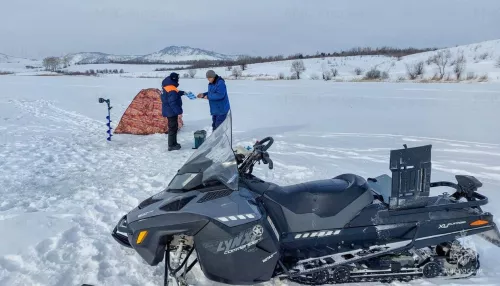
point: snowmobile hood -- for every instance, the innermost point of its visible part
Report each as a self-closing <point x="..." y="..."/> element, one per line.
<point x="159" y="204"/>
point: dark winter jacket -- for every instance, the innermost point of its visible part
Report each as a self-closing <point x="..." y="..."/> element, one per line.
<point x="171" y="98"/>
<point x="217" y="97"/>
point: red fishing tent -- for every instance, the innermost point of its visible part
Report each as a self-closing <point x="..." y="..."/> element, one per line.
<point x="143" y="115"/>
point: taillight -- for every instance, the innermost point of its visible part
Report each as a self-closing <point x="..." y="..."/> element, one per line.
<point x="479" y="222"/>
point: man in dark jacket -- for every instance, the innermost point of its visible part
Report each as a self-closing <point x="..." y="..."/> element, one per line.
<point x="172" y="107"/>
<point x="217" y="98"/>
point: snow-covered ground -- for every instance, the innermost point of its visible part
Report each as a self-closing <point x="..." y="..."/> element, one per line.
<point x="482" y="59"/>
<point x="64" y="187"/>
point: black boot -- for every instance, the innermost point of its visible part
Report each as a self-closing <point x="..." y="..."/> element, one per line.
<point x="177" y="144"/>
<point x="172" y="144"/>
<point x="174" y="148"/>
<point x="172" y="134"/>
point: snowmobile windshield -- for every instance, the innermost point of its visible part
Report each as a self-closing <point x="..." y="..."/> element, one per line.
<point x="214" y="161"/>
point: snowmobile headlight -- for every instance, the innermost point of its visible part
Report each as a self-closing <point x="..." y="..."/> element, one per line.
<point x="142" y="235"/>
<point x="479" y="222"/>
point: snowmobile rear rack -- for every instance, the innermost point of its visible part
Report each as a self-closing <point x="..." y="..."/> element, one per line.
<point x="380" y="186"/>
<point x="411" y="177"/>
<point x="410" y="184"/>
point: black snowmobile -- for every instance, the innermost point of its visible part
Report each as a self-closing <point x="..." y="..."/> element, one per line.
<point x="244" y="230"/>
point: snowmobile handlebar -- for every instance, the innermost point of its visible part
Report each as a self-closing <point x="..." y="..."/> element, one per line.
<point x="258" y="154"/>
<point x="261" y="145"/>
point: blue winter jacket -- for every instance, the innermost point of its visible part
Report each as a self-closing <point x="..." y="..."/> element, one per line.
<point x="171" y="98"/>
<point x="217" y="97"/>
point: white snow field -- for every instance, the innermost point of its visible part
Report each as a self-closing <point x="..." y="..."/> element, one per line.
<point x="63" y="187"/>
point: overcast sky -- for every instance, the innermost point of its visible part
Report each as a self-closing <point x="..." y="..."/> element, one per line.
<point x="38" y="28"/>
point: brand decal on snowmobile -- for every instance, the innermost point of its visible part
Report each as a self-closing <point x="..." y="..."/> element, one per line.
<point x="243" y="241"/>
<point x="269" y="257"/>
<point x="446" y="225"/>
<point x="236" y="217"/>
<point x="273" y="227"/>
<point x="320" y="233"/>
<point x="145" y="214"/>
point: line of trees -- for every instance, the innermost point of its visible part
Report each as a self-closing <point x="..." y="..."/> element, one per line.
<point x="244" y="61"/>
<point x="54" y="63"/>
<point x="51" y="63"/>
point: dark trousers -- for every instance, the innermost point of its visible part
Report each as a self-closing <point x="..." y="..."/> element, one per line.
<point x="173" y="126"/>
<point x="217" y="120"/>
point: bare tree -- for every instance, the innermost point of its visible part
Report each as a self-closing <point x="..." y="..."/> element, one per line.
<point x="51" y="63"/>
<point x="335" y="72"/>
<point x="229" y="68"/>
<point x="327" y="75"/>
<point x="281" y="75"/>
<point x="192" y="73"/>
<point x="415" y="70"/>
<point x="237" y="72"/>
<point x="297" y="68"/>
<point x="122" y="71"/>
<point x="243" y="62"/>
<point x="374" y="73"/>
<point x="358" y="71"/>
<point x="498" y="63"/>
<point x="66" y="60"/>
<point x="441" y="60"/>
<point x="385" y="75"/>
<point x="459" y="65"/>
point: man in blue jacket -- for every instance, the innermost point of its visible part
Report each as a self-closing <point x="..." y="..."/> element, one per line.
<point x="172" y="107"/>
<point x="217" y="98"/>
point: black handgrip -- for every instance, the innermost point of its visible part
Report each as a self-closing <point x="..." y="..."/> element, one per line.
<point x="267" y="139"/>
<point x="267" y="160"/>
<point x="270" y="163"/>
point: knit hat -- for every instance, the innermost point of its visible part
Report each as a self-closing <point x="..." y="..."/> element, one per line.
<point x="211" y="74"/>
<point x="174" y="76"/>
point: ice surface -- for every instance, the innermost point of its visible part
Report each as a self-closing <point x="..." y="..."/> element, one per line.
<point x="64" y="187"/>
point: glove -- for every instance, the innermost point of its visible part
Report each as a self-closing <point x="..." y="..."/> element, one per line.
<point x="181" y="92"/>
<point x="200" y="95"/>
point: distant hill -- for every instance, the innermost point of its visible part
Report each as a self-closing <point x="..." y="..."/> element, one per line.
<point x="6" y="59"/>
<point x="167" y="55"/>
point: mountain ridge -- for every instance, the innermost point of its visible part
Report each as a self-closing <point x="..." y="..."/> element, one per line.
<point x="170" y="54"/>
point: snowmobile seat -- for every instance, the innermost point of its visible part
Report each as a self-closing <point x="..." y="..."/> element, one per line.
<point x="324" y="204"/>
